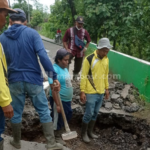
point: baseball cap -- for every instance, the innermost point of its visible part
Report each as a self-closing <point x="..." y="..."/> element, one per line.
<point x="104" y="43"/>
<point x="4" y="5"/>
<point x="80" y="19"/>
<point x="19" y="13"/>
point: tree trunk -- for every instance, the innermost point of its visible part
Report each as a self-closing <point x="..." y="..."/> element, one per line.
<point x="73" y="9"/>
<point x="114" y="45"/>
<point x="95" y="38"/>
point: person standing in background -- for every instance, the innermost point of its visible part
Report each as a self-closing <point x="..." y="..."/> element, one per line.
<point x="76" y="49"/>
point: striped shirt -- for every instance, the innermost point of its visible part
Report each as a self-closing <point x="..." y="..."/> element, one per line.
<point x="70" y="38"/>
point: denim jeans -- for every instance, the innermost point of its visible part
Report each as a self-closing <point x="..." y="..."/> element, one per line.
<point x="2" y="123"/>
<point x="93" y="104"/>
<point x="38" y="98"/>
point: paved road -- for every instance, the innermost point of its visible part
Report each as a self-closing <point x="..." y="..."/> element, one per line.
<point x="52" y="48"/>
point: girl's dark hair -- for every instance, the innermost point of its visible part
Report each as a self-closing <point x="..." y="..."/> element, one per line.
<point x="22" y="19"/>
<point x="59" y="58"/>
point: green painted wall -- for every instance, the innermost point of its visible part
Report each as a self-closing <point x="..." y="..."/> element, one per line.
<point x="130" y="69"/>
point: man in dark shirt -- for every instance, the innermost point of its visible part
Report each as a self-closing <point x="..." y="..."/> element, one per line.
<point x="70" y="46"/>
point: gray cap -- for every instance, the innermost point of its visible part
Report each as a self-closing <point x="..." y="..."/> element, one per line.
<point x="20" y="13"/>
<point x="61" y="53"/>
<point x="104" y="43"/>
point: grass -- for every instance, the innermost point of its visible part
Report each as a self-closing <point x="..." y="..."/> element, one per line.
<point x="89" y="51"/>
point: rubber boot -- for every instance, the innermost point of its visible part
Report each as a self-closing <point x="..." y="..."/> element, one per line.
<point x="84" y="135"/>
<point x="90" y="130"/>
<point x="2" y="145"/>
<point x="16" y="133"/>
<point x="49" y="135"/>
<point x="58" y="137"/>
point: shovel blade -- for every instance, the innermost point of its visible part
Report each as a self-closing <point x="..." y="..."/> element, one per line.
<point x="69" y="135"/>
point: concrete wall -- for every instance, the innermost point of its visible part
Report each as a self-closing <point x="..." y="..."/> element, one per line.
<point x="130" y="69"/>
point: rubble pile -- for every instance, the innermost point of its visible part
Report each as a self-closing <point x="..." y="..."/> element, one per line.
<point x="123" y="97"/>
<point x="126" y="133"/>
<point x="116" y="127"/>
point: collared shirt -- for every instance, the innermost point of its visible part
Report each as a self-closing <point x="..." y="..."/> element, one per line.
<point x="100" y="70"/>
<point x="70" y="38"/>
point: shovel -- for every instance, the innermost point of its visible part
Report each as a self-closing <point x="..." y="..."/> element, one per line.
<point x="69" y="134"/>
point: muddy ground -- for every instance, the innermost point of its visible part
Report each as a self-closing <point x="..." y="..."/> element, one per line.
<point x="122" y="131"/>
<point x="115" y="133"/>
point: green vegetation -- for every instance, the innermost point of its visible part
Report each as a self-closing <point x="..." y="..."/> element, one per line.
<point x="89" y="51"/>
<point x="37" y="18"/>
<point x="126" y="23"/>
<point x="37" y="15"/>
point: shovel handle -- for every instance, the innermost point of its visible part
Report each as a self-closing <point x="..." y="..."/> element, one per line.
<point x="62" y="112"/>
<point x="63" y="115"/>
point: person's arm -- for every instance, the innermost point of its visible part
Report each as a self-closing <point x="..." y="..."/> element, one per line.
<point x="54" y="95"/>
<point x="44" y="59"/>
<point x="85" y="70"/>
<point x="55" y="98"/>
<point x="65" y="41"/>
<point x="88" y="39"/>
<point x="106" y="82"/>
<point x="5" y="99"/>
<point x="86" y="46"/>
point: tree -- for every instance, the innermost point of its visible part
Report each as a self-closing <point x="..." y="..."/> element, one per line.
<point x="73" y="9"/>
<point x="22" y="4"/>
<point x="36" y="18"/>
<point x="124" y="22"/>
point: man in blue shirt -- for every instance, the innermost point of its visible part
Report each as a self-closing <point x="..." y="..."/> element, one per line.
<point x="22" y="45"/>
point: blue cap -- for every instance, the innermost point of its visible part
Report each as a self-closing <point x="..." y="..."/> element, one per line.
<point x="20" y="13"/>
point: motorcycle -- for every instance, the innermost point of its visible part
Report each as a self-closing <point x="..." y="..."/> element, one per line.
<point x="58" y="39"/>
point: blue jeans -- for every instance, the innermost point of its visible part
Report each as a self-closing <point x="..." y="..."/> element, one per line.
<point x="93" y="104"/>
<point x="38" y="98"/>
<point x="2" y="123"/>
